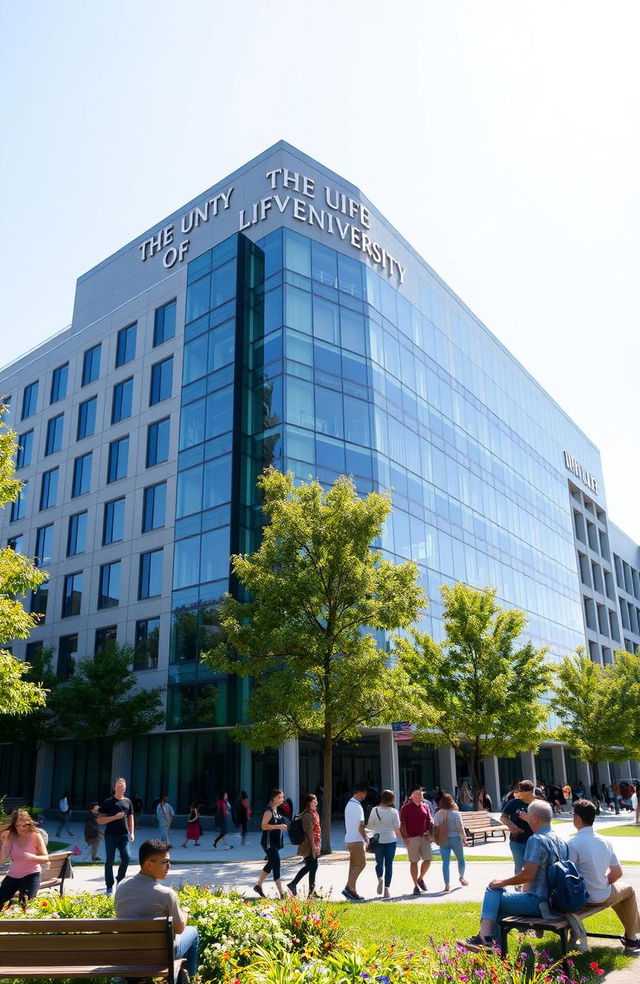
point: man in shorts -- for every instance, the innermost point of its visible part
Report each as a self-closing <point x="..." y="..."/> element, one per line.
<point x="416" y="829"/>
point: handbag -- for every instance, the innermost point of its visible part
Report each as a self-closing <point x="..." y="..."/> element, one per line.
<point x="442" y="832"/>
<point x="374" y="840"/>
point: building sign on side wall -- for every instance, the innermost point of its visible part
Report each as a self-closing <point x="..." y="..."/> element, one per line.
<point x="587" y="479"/>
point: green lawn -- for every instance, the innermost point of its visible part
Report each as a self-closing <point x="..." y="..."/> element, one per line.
<point x="620" y="830"/>
<point x="54" y="846"/>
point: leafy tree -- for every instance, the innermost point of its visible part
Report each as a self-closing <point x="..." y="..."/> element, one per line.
<point x="593" y="708"/>
<point x="318" y="593"/>
<point x="627" y="674"/>
<point x="100" y="701"/>
<point x="17" y="576"/>
<point x="39" y="725"/>
<point x="479" y="690"/>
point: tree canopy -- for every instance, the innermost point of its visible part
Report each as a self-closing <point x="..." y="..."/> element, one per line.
<point x="310" y="635"/>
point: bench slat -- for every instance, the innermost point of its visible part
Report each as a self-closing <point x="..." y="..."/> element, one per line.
<point x="86" y="970"/>
<point x="72" y="957"/>
<point x="55" y="926"/>
<point x="104" y="943"/>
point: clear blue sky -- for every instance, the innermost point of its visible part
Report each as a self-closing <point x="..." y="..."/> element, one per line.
<point x="502" y="139"/>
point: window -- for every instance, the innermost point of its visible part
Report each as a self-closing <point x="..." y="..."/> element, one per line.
<point x="153" y="506"/>
<point x="19" y="505"/>
<point x="72" y="595"/>
<point x="157" y="442"/>
<point x="126" y="345"/>
<point x="122" y="398"/>
<point x="53" y="440"/>
<point x="81" y="475"/>
<point x="16" y="543"/>
<point x="91" y="365"/>
<point x="161" y="377"/>
<point x="29" y="399"/>
<point x="33" y="651"/>
<point x="77" y="535"/>
<point x="44" y="545"/>
<point x="67" y="649"/>
<point x="113" y="523"/>
<point x="25" y="449"/>
<point x="59" y="381"/>
<point x="39" y="600"/>
<point x="49" y="489"/>
<point x="109" y="586"/>
<point x="108" y="634"/>
<point x="150" y="580"/>
<point x="146" y="651"/>
<point x="164" y="326"/>
<point x="118" y="458"/>
<point x="87" y="418"/>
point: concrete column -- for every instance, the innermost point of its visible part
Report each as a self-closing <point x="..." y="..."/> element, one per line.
<point x="290" y="770"/>
<point x="604" y="773"/>
<point x="559" y="765"/>
<point x="447" y="769"/>
<point x="492" y="781"/>
<point x="389" y="766"/>
<point x="584" y="774"/>
<point x="528" y="765"/>
<point x="43" y="776"/>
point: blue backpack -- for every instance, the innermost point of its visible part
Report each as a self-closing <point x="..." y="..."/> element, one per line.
<point x="567" y="889"/>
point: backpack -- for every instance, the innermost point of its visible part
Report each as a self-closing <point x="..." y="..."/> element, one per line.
<point x="296" y="830"/>
<point x="567" y="888"/>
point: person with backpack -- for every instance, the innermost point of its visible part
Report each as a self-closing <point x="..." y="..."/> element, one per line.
<point x="542" y="850"/>
<point x="306" y="825"/>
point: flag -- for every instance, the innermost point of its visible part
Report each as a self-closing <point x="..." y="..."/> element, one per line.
<point x="402" y="731"/>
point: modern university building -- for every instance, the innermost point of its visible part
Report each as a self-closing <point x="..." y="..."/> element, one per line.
<point x="279" y="319"/>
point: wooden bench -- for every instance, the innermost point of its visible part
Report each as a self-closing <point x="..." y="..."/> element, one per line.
<point x="480" y="822"/>
<point x="88" y="948"/>
<point x="556" y="924"/>
<point x="58" y="869"/>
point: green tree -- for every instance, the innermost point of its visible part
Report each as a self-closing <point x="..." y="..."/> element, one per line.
<point x="17" y="576"/>
<point x="318" y="592"/>
<point x="479" y="690"/>
<point x="100" y="701"/>
<point x="39" y="725"/>
<point x="627" y="674"/>
<point x="593" y="708"/>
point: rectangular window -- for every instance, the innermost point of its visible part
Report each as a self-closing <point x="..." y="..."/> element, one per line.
<point x="150" y="579"/>
<point x="81" y="475"/>
<point x="87" y="418"/>
<point x="39" y="601"/>
<point x="53" y="440"/>
<point x="91" y="365"/>
<point x="118" y="459"/>
<point x="113" y="524"/>
<point x="157" y="442"/>
<point x="33" y="651"/>
<point x="126" y="345"/>
<point x="105" y="636"/>
<point x="25" y="449"/>
<point x="146" y="651"/>
<point x="153" y="506"/>
<point x="109" y="585"/>
<point x="29" y="400"/>
<point x="77" y="534"/>
<point x="49" y="489"/>
<point x="19" y="505"/>
<point x="122" y="400"/>
<point x="161" y="381"/>
<point x="44" y="546"/>
<point x="16" y="543"/>
<point x="67" y="649"/>
<point x="59" y="382"/>
<point x="164" y="325"/>
<point x="72" y="595"/>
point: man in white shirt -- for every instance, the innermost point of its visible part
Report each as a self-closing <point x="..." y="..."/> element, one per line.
<point x="355" y="839"/>
<point x="596" y="861"/>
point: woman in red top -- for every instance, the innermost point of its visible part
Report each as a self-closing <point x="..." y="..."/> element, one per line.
<point x="309" y="849"/>
<point x="20" y="841"/>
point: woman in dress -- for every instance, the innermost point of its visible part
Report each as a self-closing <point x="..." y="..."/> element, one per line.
<point x="21" y="841"/>
<point x="309" y="849"/>
<point x="273" y="824"/>
<point x="384" y="820"/>
<point x="194" y="830"/>
<point x="223" y="813"/>
<point x="449" y="834"/>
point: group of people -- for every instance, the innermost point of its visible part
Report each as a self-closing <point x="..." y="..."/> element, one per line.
<point x="616" y="796"/>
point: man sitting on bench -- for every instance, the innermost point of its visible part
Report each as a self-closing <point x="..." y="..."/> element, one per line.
<point x="498" y="903"/>
<point x="596" y="861"/>
<point x="142" y="897"/>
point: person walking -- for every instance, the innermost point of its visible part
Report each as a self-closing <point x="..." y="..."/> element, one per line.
<point x="194" y="827"/>
<point x="355" y="838"/>
<point x="242" y="815"/>
<point x="416" y="828"/>
<point x="450" y="836"/>
<point x="309" y="849"/>
<point x="92" y="835"/>
<point x="273" y="824"/>
<point x="165" y="814"/>
<point x="116" y="814"/>
<point x="384" y="820"/>
<point x="64" y="810"/>
<point x="223" y="816"/>
<point x="21" y="841"/>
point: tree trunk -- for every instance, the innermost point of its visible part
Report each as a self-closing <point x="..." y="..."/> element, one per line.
<point x="595" y="777"/>
<point x="475" y="779"/>
<point x="327" y="798"/>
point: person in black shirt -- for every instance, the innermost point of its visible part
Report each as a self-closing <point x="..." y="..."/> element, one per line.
<point x="116" y="815"/>
<point x="273" y="823"/>
<point x="519" y="829"/>
<point x="91" y="833"/>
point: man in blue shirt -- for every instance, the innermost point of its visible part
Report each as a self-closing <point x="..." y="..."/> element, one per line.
<point x="498" y="903"/>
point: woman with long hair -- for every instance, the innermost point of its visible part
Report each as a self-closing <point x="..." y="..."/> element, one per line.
<point x="21" y="841"/>
<point x="223" y="813"/>
<point x="384" y="820"/>
<point x="450" y="835"/>
<point x="272" y="826"/>
<point x="194" y="828"/>
<point x="309" y="849"/>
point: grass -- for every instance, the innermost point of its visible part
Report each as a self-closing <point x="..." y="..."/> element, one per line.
<point x="54" y="846"/>
<point x="620" y="830"/>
